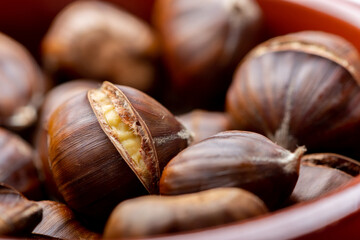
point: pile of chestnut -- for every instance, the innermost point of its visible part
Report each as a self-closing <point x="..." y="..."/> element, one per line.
<point x="134" y="130"/>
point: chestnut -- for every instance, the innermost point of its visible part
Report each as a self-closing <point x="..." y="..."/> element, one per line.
<point x="52" y="100"/>
<point x="234" y="159"/>
<point x="204" y="124"/>
<point x="203" y="41"/>
<point x="322" y="173"/>
<point x="17" y="166"/>
<point x="110" y="145"/>
<point x="300" y="89"/>
<point x="60" y="222"/>
<point x="93" y="39"/>
<point x="22" y="85"/>
<point x="154" y="215"/>
<point x="17" y="214"/>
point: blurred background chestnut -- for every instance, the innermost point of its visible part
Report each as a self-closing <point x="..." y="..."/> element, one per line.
<point x="17" y="167"/>
<point x="28" y="21"/>
<point x="93" y="39"/>
<point x="22" y="85"/>
<point x="202" y="43"/>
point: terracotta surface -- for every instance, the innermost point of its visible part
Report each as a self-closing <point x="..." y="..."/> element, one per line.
<point x="334" y="16"/>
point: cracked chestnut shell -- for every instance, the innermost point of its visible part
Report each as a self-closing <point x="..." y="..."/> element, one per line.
<point x="22" y="85"/>
<point x="110" y="145"/>
<point x="300" y="89"/>
<point x="94" y="39"/>
<point x="203" y="41"/>
<point x="234" y="159"/>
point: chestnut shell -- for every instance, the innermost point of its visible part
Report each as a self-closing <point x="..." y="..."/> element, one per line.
<point x="22" y="85"/>
<point x="234" y="159"/>
<point x="300" y="89"/>
<point x="54" y="99"/>
<point x="17" y="165"/>
<point x="203" y="41"/>
<point x="94" y="39"/>
<point x="88" y="170"/>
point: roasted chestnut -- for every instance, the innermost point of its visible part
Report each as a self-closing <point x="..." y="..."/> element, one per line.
<point x="203" y="41"/>
<point x="59" y="221"/>
<point x="17" y="167"/>
<point x="52" y="100"/>
<point x="322" y="173"/>
<point x="154" y="215"/>
<point x="204" y="124"/>
<point x="110" y="145"/>
<point x="22" y="85"/>
<point x="234" y="159"/>
<point x="94" y="39"/>
<point x="17" y="214"/>
<point x="300" y="89"/>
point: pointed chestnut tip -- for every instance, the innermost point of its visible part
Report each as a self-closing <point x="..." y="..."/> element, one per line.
<point x="298" y="154"/>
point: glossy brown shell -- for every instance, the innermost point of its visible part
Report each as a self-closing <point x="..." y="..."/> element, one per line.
<point x="94" y="39"/>
<point x="203" y="124"/>
<point x="59" y="221"/>
<point x="234" y="159"/>
<point x="204" y="40"/>
<point x="22" y="85"/>
<point x="321" y="174"/>
<point x="89" y="171"/>
<point x="17" y="167"/>
<point x="17" y="214"/>
<point x="169" y="214"/>
<point x="54" y="99"/>
<point x="300" y="89"/>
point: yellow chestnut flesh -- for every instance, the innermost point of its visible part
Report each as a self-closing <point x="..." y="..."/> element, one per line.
<point x="123" y="132"/>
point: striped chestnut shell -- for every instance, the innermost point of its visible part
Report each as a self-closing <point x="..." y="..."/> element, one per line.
<point x="109" y="145"/>
<point x="300" y="89"/>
